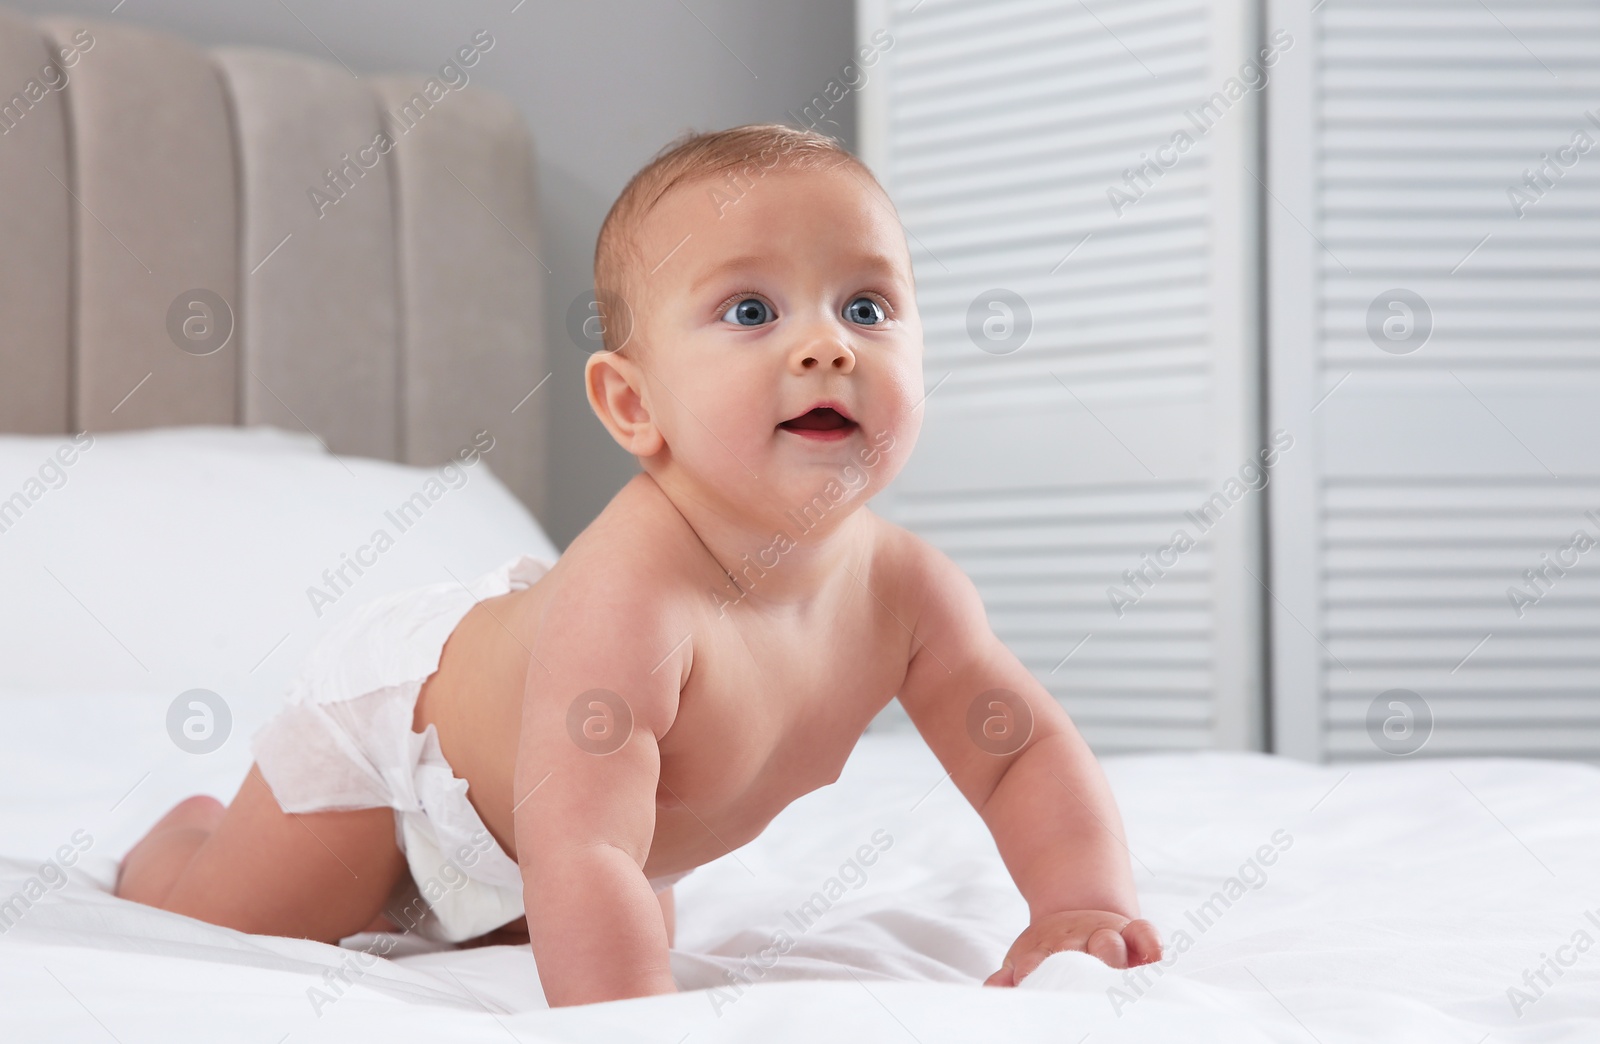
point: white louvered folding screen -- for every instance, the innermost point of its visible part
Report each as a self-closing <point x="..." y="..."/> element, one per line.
<point x="1435" y="334"/>
<point x="1092" y="344"/>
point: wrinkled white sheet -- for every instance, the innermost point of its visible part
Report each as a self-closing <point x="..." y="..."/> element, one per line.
<point x="1402" y="901"/>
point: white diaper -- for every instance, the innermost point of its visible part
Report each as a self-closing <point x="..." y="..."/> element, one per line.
<point x="344" y="741"/>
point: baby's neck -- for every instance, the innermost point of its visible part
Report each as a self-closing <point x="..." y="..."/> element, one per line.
<point x="773" y="559"/>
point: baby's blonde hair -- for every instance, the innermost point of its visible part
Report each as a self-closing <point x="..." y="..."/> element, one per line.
<point x="731" y="160"/>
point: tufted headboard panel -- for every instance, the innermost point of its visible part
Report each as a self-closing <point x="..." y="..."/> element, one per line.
<point x="246" y="236"/>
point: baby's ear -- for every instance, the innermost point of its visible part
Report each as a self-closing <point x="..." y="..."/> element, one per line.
<point x="614" y="383"/>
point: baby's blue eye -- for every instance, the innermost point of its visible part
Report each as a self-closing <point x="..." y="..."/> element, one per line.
<point x="752" y="311"/>
<point x="865" y="311"/>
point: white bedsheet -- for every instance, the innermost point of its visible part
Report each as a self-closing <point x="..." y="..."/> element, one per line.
<point x="1409" y="898"/>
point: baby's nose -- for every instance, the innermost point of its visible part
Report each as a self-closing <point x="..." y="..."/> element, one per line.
<point x="831" y="354"/>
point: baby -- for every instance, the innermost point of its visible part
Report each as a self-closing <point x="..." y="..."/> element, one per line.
<point x="548" y="750"/>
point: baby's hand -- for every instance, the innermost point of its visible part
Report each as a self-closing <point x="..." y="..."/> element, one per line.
<point x="1115" y="939"/>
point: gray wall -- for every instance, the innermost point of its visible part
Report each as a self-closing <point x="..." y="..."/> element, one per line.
<point x="603" y="84"/>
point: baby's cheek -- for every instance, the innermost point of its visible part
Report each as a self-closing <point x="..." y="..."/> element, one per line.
<point x="740" y="422"/>
<point x="902" y="423"/>
<point x="908" y="381"/>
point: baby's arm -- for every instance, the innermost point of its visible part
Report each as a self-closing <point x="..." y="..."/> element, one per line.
<point x="1015" y="755"/>
<point x="585" y="796"/>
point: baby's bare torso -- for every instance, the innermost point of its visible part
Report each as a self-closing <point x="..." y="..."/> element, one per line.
<point x="774" y="702"/>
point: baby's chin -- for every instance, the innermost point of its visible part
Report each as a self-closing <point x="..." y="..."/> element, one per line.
<point x="787" y="478"/>
<point x="841" y="478"/>
<point x="836" y="468"/>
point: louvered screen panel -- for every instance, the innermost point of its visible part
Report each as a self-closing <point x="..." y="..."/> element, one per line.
<point x="1049" y="470"/>
<point x="1041" y="559"/>
<point x="1416" y="587"/>
<point x="1447" y="466"/>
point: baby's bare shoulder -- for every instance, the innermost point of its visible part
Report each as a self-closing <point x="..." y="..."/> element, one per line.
<point x="912" y="564"/>
<point x="630" y="572"/>
<point x="638" y="539"/>
<point x="615" y="614"/>
<point x="933" y="592"/>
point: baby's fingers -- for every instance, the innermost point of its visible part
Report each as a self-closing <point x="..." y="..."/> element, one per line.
<point x="1026" y="954"/>
<point x="1030" y="951"/>
<point x="1003" y="977"/>
<point x="1115" y="941"/>
<point x="1108" y="945"/>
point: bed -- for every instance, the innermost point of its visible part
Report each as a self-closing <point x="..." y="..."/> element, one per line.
<point x="179" y="505"/>
<point x="1395" y="901"/>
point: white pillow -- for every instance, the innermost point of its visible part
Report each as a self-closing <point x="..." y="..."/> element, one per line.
<point x="180" y="558"/>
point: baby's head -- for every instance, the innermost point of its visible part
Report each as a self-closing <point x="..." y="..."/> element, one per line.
<point x="761" y="329"/>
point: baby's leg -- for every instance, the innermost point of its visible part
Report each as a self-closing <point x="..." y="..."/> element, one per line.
<point x="150" y="868"/>
<point x="254" y="867"/>
<point x="669" y="914"/>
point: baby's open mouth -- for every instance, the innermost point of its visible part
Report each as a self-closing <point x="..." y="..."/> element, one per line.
<point x="820" y="422"/>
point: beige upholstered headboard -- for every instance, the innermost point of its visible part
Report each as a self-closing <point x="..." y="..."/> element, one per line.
<point x="245" y="236"/>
